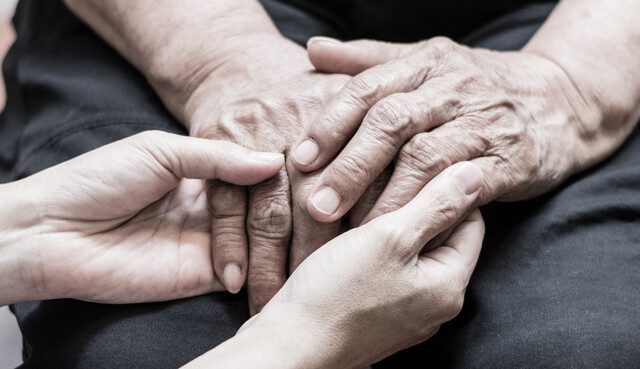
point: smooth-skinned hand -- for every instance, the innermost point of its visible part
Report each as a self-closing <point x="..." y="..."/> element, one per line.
<point x="127" y="222"/>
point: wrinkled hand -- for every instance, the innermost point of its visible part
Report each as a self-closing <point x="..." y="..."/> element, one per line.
<point x="376" y="290"/>
<point x="517" y="115"/>
<point x="263" y="99"/>
<point x="121" y="224"/>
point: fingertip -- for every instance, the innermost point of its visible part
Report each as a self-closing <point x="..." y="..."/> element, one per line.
<point x="467" y="176"/>
<point x="322" y="40"/>
<point x="273" y="159"/>
<point x="233" y="278"/>
<point x="322" y="52"/>
<point x="324" y="205"/>
<point x="251" y="168"/>
<point x="305" y="155"/>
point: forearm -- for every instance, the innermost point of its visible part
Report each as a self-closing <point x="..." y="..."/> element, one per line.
<point x="250" y="349"/>
<point x="278" y="338"/>
<point x="176" y="44"/>
<point x="597" y="44"/>
<point x="17" y="222"/>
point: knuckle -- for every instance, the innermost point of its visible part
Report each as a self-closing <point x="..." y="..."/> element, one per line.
<point x="228" y="239"/>
<point x="226" y="204"/>
<point x="423" y="157"/>
<point x="392" y="117"/>
<point x="389" y="233"/>
<point x="151" y="136"/>
<point x="364" y="89"/>
<point x="270" y="218"/>
<point x="266" y="278"/>
<point x="446" y="207"/>
<point x="441" y="46"/>
<point x="351" y="171"/>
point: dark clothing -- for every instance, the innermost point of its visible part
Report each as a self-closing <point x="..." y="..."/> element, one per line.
<point x="407" y="20"/>
<point x="556" y="285"/>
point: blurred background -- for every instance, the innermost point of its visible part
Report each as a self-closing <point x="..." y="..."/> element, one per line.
<point x="10" y="340"/>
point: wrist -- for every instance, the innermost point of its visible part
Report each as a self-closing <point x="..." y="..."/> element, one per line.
<point x="261" y="61"/>
<point x="177" y="69"/>
<point x="18" y="244"/>
<point x="598" y="122"/>
<point x="278" y="337"/>
<point x="601" y="64"/>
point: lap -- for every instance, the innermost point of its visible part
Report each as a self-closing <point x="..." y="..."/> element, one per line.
<point x="556" y="283"/>
<point x="71" y="93"/>
<point x="555" y="286"/>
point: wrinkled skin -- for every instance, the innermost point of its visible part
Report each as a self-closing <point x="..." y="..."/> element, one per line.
<point x="376" y="284"/>
<point x="264" y="106"/>
<point x="121" y="224"/>
<point x="516" y="115"/>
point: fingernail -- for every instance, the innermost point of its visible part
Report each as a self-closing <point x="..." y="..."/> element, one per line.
<point x="232" y="278"/>
<point x="469" y="176"/>
<point x="325" y="39"/>
<point x="307" y="152"/>
<point x="326" y="200"/>
<point x="267" y="157"/>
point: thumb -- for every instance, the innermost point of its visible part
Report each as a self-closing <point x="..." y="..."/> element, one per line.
<point x="329" y="55"/>
<point x="197" y="158"/>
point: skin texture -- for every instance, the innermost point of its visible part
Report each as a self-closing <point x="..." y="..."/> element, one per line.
<point x="265" y="110"/>
<point x="270" y="93"/>
<point x="120" y="224"/>
<point x="529" y="119"/>
<point x="347" y="326"/>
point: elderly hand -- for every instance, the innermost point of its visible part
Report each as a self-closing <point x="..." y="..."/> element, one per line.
<point x="225" y="72"/>
<point x="121" y="224"/>
<point x="517" y="115"/>
<point x="372" y="291"/>
<point x="262" y="99"/>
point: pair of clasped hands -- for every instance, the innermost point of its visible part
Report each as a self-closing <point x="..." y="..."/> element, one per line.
<point x="132" y="222"/>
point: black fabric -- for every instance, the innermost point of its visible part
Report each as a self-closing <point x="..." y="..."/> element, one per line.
<point x="409" y="20"/>
<point x="556" y="285"/>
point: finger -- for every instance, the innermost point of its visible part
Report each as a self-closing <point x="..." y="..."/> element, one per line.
<point x="308" y="234"/>
<point x="387" y="126"/>
<point x="269" y="231"/>
<point x="461" y="250"/>
<point x="189" y="157"/>
<point x="341" y="117"/>
<point x="329" y="55"/>
<point x="344" y="113"/>
<point x="368" y="200"/>
<point x="499" y="180"/>
<point x="438" y="206"/>
<point x="424" y="157"/>
<point x="229" y="246"/>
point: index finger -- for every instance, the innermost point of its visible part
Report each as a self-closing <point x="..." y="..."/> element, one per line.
<point x="342" y="116"/>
